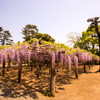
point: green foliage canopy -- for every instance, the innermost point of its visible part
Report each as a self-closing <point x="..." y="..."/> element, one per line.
<point x="31" y="31"/>
<point x="88" y="41"/>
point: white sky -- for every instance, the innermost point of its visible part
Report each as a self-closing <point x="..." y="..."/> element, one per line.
<point x="55" y="17"/>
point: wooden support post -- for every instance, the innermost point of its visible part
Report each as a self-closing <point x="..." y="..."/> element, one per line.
<point x="20" y="68"/>
<point x="52" y="81"/>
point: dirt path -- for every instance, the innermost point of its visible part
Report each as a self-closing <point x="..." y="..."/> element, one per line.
<point x="87" y="87"/>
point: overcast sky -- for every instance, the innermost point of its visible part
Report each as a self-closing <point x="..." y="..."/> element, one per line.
<point x="55" y="17"/>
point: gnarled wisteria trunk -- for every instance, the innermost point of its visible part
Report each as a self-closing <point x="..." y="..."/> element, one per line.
<point x="3" y="71"/>
<point x="76" y="72"/>
<point x="89" y="65"/>
<point x="84" y="67"/>
<point x="20" y="67"/>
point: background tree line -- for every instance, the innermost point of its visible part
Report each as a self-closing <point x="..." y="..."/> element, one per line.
<point x="29" y="32"/>
<point x="88" y="41"/>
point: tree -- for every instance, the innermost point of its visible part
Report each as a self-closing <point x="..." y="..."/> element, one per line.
<point x="72" y="38"/>
<point x="5" y="37"/>
<point x="38" y="35"/>
<point x="94" y="24"/>
<point x="29" y="31"/>
<point x="87" y="41"/>
<point x="45" y="37"/>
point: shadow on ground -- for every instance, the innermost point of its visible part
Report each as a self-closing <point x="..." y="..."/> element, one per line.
<point x="30" y="84"/>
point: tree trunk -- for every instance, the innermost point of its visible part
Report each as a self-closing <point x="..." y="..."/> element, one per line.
<point x="84" y="68"/>
<point x="8" y="64"/>
<point x="99" y="54"/>
<point x="20" y="68"/>
<point x="37" y="71"/>
<point x="76" y="72"/>
<point x="3" y="67"/>
<point x="95" y="22"/>
<point x="31" y="64"/>
<point x="89" y="65"/>
<point x="19" y="73"/>
<point x="52" y="81"/>
<point x="57" y="65"/>
<point x="28" y="63"/>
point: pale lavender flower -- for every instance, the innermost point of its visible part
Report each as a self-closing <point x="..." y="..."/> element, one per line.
<point x="69" y="62"/>
<point x="53" y="57"/>
<point x="76" y="61"/>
